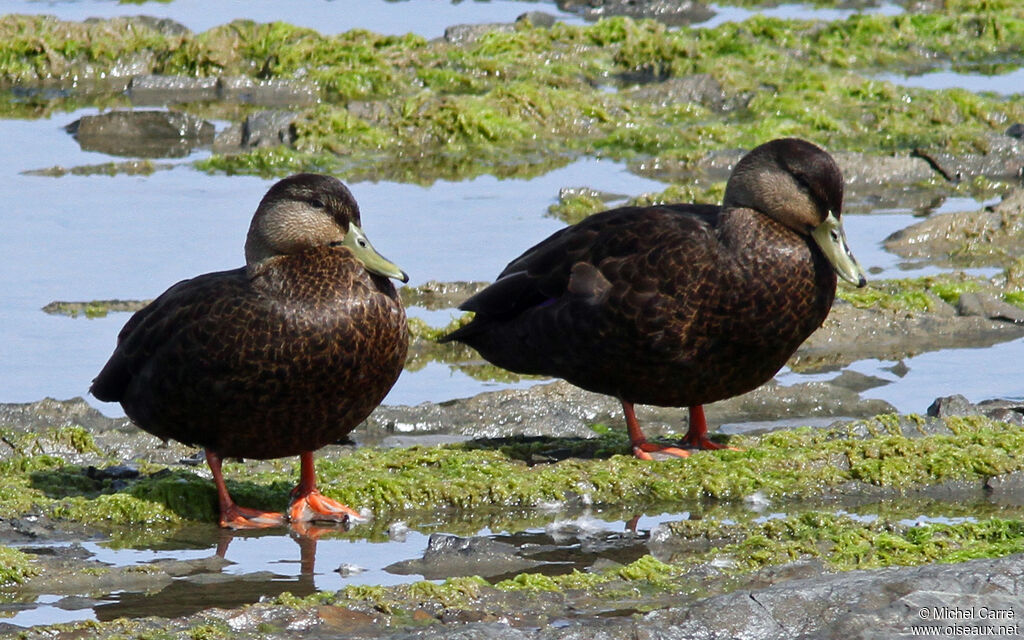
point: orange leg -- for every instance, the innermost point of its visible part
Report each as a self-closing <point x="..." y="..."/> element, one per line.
<point x="309" y="505"/>
<point x="697" y="436"/>
<point x="641" y="448"/>
<point x="233" y="516"/>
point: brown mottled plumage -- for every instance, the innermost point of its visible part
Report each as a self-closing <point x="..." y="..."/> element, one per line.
<point x="676" y="305"/>
<point x="278" y="358"/>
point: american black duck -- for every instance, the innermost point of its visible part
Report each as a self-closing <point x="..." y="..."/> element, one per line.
<point x="277" y="358"/>
<point x="677" y="305"/>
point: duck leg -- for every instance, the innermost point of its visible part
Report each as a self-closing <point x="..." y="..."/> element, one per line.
<point x="697" y="435"/>
<point x="641" y="448"/>
<point x="233" y="516"/>
<point x="310" y="505"/>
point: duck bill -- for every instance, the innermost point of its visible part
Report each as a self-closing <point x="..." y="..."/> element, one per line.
<point x="360" y="246"/>
<point x="831" y="237"/>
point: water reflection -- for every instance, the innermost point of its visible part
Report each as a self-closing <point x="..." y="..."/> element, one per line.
<point x="1011" y="83"/>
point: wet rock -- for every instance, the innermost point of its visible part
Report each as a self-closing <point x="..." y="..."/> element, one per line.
<point x="470" y="33"/>
<point x="1016" y="130"/>
<point x="699" y="88"/>
<point x="448" y="556"/>
<point x="990" y="236"/>
<point x="50" y="413"/>
<point x="949" y="406"/>
<point x="538" y="19"/>
<point x="268" y="129"/>
<point x="561" y="410"/>
<point x="435" y="295"/>
<point x="128" y="168"/>
<point x="881" y="603"/>
<point x="850" y="334"/>
<point x="858" y="382"/>
<point x="273" y="92"/>
<point x="673" y="12"/>
<point x="157" y="90"/>
<point x="1007" y="489"/>
<point x="152" y="134"/>
<point x="261" y="129"/>
<point x="987" y="305"/>
<point x="1004" y="159"/>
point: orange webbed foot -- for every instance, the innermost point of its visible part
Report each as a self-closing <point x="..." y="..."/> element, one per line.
<point x="703" y="442"/>
<point x="313" y="506"/>
<point x="236" y="517"/>
<point x="643" y="450"/>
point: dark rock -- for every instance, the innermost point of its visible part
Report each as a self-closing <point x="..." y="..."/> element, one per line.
<point x="1016" y="130"/>
<point x="538" y="19"/>
<point x="955" y="405"/>
<point x="1007" y="489"/>
<point x="268" y="129"/>
<point x="855" y="381"/>
<point x="151" y="134"/>
<point x="448" y="556"/>
<point x="699" y="88"/>
<point x="989" y="306"/>
<point x="153" y="90"/>
<point x="113" y="472"/>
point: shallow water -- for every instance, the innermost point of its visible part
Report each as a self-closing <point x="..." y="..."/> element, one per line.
<point x="1009" y="83"/>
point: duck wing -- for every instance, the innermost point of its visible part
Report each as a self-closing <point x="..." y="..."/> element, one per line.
<point x="586" y="261"/>
<point x="176" y="326"/>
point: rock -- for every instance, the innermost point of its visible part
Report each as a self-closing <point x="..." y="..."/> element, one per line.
<point x="274" y="92"/>
<point x="949" y="406"/>
<point x="538" y="19"/>
<point x="701" y="88"/>
<point x="449" y="556"/>
<point x="879" y="603"/>
<point x="151" y="90"/>
<point x="268" y="129"/>
<point x="470" y="33"/>
<point x="1007" y="489"/>
<point x="561" y="410"/>
<point x="850" y="334"/>
<point x="987" y="305"/>
<point x="673" y="12"/>
<point x="152" y="134"/>
<point x="1016" y="130"/>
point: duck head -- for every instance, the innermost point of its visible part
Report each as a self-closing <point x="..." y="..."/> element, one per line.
<point x="799" y="185"/>
<point x="309" y="210"/>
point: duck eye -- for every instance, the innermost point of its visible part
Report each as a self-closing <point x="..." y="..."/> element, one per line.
<point x="336" y="243"/>
<point x="317" y="203"/>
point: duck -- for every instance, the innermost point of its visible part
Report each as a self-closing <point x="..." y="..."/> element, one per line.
<point x="677" y="305"/>
<point x="277" y="358"/>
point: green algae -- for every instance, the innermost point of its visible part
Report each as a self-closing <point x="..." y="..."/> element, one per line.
<point x="913" y="295"/>
<point x="846" y="543"/>
<point x="417" y="110"/>
<point x="518" y="474"/>
<point x="15" y="566"/>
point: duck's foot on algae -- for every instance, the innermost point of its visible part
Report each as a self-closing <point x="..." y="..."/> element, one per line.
<point x="313" y="506"/>
<point x="643" y="450"/>
<point x="236" y="517"/>
<point x="703" y="442"/>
